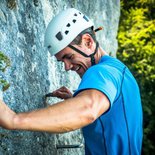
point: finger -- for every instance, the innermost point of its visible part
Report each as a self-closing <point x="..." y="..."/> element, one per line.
<point x="49" y="95"/>
<point x="57" y="93"/>
<point x="63" y="95"/>
<point x="64" y="89"/>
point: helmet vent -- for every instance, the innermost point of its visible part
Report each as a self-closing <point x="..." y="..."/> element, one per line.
<point x="49" y="47"/>
<point x="59" y="36"/>
<point x="86" y="18"/>
<point x="66" y="32"/>
<point x="68" y="25"/>
<point x="74" y="20"/>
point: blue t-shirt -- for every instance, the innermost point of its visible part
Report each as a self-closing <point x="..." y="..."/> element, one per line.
<point x="119" y="130"/>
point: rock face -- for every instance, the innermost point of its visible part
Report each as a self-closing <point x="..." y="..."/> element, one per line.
<point x="33" y="72"/>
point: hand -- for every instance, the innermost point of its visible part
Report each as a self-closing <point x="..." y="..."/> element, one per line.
<point x="62" y="93"/>
<point x="6" y="116"/>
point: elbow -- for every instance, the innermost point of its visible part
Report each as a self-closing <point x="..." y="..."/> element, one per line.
<point x="90" y="118"/>
<point x="89" y="114"/>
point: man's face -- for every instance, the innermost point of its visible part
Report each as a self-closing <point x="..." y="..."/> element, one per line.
<point x="73" y="60"/>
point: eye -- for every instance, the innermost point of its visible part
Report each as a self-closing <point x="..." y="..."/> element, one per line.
<point x="70" y="56"/>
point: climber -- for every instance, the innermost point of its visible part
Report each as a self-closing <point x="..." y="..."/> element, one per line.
<point x="106" y="105"/>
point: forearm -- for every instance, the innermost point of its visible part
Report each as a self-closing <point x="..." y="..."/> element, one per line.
<point x="62" y="117"/>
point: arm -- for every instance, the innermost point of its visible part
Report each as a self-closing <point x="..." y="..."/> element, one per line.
<point x="65" y="116"/>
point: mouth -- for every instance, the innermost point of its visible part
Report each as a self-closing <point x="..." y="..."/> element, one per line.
<point x="77" y="68"/>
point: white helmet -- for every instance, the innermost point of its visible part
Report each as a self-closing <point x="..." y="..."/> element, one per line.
<point x="64" y="28"/>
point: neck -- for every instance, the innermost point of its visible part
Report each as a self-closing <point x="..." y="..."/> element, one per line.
<point x="99" y="54"/>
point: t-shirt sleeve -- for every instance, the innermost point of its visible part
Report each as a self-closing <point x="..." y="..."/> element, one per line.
<point x="99" y="78"/>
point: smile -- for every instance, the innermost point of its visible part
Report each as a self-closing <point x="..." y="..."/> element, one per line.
<point x="77" y="68"/>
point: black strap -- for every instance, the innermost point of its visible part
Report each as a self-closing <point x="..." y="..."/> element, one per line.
<point x="79" y="51"/>
<point x="92" y="55"/>
<point x="85" y="55"/>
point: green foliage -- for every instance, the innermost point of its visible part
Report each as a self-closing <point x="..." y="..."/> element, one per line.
<point x="4" y="63"/>
<point x="136" y="38"/>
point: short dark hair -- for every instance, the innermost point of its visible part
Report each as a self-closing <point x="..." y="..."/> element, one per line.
<point x="78" y="39"/>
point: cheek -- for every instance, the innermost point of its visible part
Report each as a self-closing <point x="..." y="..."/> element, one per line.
<point x="81" y="58"/>
<point x="86" y="63"/>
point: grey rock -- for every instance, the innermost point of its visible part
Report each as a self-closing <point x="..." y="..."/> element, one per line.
<point x="2" y="16"/>
<point x="33" y="72"/>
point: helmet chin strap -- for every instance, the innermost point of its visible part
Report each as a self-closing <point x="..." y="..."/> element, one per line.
<point x="85" y="55"/>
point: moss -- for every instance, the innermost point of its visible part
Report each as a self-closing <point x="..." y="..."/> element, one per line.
<point x="4" y="63"/>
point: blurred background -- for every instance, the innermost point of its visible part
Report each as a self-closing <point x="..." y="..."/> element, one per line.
<point x="136" y="48"/>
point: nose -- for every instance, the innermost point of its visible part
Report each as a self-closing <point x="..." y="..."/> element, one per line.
<point x="68" y="65"/>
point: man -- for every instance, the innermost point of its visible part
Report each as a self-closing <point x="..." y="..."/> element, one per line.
<point x="106" y="104"/>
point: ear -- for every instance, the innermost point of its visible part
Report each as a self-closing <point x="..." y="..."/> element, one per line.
<point x="87" y="41"/>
